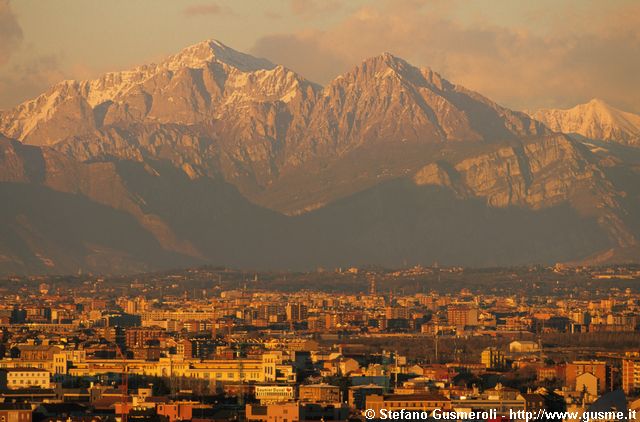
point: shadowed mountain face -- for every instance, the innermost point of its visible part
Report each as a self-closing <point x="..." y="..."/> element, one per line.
<point x="44" y="230"/>
<point x="214" y="156"/>
<point x="392" y="223"/>
<point x="399" y="222"/>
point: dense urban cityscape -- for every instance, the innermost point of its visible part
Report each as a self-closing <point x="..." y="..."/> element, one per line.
<point x="217" y="344"/>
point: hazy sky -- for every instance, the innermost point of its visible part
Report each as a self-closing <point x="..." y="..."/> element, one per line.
<point x="545" y="53"/>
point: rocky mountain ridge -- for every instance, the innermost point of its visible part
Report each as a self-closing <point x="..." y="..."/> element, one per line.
<point x="594" y="120"/>
<point x="213" y="156"/>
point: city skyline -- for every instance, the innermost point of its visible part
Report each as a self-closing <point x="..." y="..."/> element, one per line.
<point x="305" y="210"/>
<point x="354" y="344"/>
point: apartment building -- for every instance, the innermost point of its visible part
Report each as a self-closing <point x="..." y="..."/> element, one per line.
<point x="19" y="378"/>
<point x="630" y="375"/>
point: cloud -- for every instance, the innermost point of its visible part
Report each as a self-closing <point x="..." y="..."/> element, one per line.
<point x="10" y="32"/>
<point x="563" y="56"/>
<point x="305" y="53"/>
<point x="24" y="78"/>
<point x="270" y="14"/>
<point x="204" y="9"/>
<point x="29" y="79"/>
<point x="314" y="8"/>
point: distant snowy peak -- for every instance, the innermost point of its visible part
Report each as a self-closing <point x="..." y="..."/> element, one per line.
<point x="381" y="99"/>
<point x="203" y="53"/>
<point x="198" y="56"/>
<point x="594" y="120"/>
<point x="196" y="74"/>
<point x="386" y="65"/>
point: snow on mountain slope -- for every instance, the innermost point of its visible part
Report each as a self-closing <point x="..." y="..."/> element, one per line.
<point x="202" y="75"/>
<point x="225" y="158"/>
<point x="594" y="120"/>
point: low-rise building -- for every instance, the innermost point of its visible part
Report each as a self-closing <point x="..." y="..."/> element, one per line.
<point x="493" y="358"/>
<point x="296" y="411"/>
<point x="15" y="412"/>
<point x="320" y="393"/>
<point x="411" y="402"/>
<point x="274" y="393"/>
<point x="17" y="378"/>
<point x="523" y="346"/>
<point x="358" y="394"/>
<point x="597" y="368"/>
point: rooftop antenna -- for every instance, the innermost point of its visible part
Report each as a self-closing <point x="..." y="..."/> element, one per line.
<point x="372" y="286"/>
<point x="124" y="407"/>
<point x="396" y="371"/>
<point x="540" y="345"/>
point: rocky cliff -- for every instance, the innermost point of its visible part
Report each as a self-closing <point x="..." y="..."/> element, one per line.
<point x="216" y="156"/>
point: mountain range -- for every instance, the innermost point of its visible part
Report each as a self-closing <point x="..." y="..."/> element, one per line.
<point x="594" y="120"/>
<point x="214" y="156"/>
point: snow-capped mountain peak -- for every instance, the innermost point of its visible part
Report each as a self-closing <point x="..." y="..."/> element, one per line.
<point x="205" y="52"/>
<point x="595" y="119"/>
<point x="201" y="73"/>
